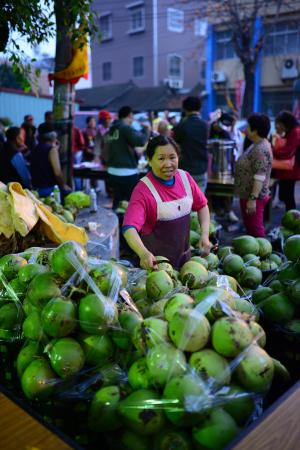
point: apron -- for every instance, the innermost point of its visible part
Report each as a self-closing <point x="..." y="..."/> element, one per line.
<point x="170" y="236"/>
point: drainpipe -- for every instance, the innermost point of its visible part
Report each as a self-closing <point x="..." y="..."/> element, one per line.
<point x="210" y="58"/>
<point x="155" y="43"/>
<point x="257" y="75"/>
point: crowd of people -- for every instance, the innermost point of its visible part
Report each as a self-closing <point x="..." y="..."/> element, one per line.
<point x="178" y="157"/>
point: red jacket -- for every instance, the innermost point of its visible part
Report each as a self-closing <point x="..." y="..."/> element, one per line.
<point x="288" y="150"/>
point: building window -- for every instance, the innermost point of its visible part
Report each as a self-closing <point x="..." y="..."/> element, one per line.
<point x="282" y="38"/>
<point x="274" y="102"/>
<point x="200" y="27"/>
<point x="138" y="66"/>
<point x="106" y="71"/>
<point x="175" y="66"/>
<point x="175" y="20"/>
<point x="105" y="24"/>
<point x="224" y="45"/>
<point x="136" y="18"/>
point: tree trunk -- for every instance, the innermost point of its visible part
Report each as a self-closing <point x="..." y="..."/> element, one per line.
<point x="248" y="102"/>
<point x="64" y="93"/>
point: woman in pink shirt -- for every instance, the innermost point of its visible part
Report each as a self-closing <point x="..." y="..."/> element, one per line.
<point x="158" y="216"/>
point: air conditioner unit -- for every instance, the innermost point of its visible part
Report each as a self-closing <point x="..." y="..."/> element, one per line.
<point x="218" y="76"/>
<point x="174" y="84"/>
<point x="289" y="69"/>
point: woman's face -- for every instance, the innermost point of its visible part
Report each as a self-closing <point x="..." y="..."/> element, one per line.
<point x="164" y="162"/>
<point x="19" y="140"/>
<point x="92" y="123"/>
<point x="280" y="128"/>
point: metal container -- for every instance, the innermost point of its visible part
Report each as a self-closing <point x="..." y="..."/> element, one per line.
<point x="221" y="158"/>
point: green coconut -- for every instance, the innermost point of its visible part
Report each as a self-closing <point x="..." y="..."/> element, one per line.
<point x="38" y="380"/>
<point x="66" y="258"/>
<point x="183" y="390"/>
<point x="66" y="356"/>
<point x="98" y="350"/>
<point x="239" y="404"/>
<point x="216" y="431"/>
<point x="189" y="330"/>
<point x="29" y="271"/>
<point x="26" y="355"/>
<point x="278" y="308"/>
<point x="150" y="332"/>
<point x="209" y="364"/>
<point x="230" y="336"/>
<point x="265" y="247"/>
<point x="252" y="260"/>
<point x="10" y="265"/>
<point x="43" y="288"/>
<point x="158" y="284"/>
<point x="59" y="317"/>
<point x="103" y="412"/>
<point x="96" y="314"/>
<point x="255" y="371"/>
<point x="137" y="412"/>
<point x="138" y="375"/>
<point x="251" y="277"/>
<point x="165" y="362"/>
<point x="233" y="264"/>
<point x="193" y="275"/>
<point x="175" y="303"/>
<point x="245" y="244"/>
<point x="291" y="219"/>
<point x="291" y="248"/>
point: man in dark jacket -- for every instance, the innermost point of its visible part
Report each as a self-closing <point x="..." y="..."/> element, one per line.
<point x="12" y="163"/>
<point x="191" y="134"/>
<point x="121" y="158"/>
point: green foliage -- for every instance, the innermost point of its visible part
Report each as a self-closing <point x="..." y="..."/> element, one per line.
<point x="36" y="21"/>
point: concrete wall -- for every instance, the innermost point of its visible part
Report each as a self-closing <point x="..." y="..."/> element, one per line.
<point x="15" y="106"/>
<point x="121" y="49"/>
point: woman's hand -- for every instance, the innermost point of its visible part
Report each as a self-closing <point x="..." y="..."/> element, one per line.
<point x="251" y="207"/>
<point x="147" y="260"/>
<point x="205" y="245"/>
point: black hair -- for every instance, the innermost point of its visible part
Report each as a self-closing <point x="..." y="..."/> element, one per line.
<point x="45" y="128"/>
<point x="191" y="104"/>
<point x="159" y="141"/>
<point x="260" y="123"/>
<point x="124" y="112"/>
<point x="12" y="133"/>
<point x="89" y="118"/>
<point x="226" y="119"/>
<point x="48" y="113"/>
<point x="287" y="119"/>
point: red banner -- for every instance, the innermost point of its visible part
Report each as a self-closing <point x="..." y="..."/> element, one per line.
<point x="239" y="93"/>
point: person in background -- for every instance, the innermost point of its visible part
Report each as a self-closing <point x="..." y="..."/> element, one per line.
<point x="28" y="131"/>
<point x="191" y="135"/>
<point x="2" y="134"/>
<point x="89" y="134"/>
<point x="157" y="220"/>
<point x="103" y="128"/>
<point x="172" y="121"/>
<point x="252" y="175"/>
<point x="220" y="129"/>
<point x="164" y="128"/>
<point x="13" y="166"/>
<point x="122" y="159"/>
<point x="48" y="120"/>
<point x="287" y="128"/>
<point x="45" y="164"/>
<point x="77" y="150"/>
